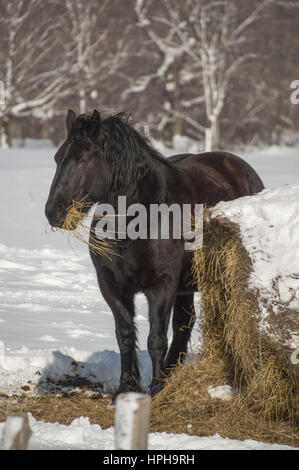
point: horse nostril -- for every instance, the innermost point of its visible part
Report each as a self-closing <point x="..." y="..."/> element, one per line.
<point x="54" y="214"/>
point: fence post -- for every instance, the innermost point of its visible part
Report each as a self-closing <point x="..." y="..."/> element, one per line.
<point x="16" y="433"/>
<point x="131" y="421"/>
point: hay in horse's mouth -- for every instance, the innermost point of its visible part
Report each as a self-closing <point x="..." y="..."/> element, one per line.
<point x="73" y="216"/>
<point x="77" y="223"/>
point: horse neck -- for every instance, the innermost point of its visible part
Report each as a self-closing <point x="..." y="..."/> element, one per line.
<point x="160" y="185"/>
<point x="150" y="178"/>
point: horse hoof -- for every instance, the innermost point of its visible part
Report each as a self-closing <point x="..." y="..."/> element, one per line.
<point x="155" y="388"/>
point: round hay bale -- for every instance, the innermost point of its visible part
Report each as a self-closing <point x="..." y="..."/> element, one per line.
<point x="261" y="364"/>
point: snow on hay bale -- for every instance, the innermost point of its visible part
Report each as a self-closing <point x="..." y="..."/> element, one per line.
<point x="248" y="274"/>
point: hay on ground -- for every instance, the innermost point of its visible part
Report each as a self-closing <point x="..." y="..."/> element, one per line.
<point x="52" y="408"/>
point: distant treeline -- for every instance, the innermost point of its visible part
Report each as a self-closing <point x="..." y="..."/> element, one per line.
<point x="216" y="71"/>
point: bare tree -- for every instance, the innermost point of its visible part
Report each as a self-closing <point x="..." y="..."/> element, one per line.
<point x="88" y="54"/>
<point x="203" y="44"/>
<point x="219" y="57"/>
<point x="30" y="80"/>
<point x="81" y="46"/>
<point x="180" y="67"/>
<point x="162" y="42"/>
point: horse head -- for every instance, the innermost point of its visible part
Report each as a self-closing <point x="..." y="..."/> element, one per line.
<point x="79" y="164"/>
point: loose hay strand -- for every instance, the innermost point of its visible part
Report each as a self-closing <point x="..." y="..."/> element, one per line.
<point x="76" y="226"/>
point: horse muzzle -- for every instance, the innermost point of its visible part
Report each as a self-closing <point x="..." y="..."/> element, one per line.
<point x="55" y="214"/>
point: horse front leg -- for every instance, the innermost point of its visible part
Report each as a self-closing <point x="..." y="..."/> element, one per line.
<point x="122" y="306"/>
<point x="160" y="305"/>
<point x="126" y="338"/>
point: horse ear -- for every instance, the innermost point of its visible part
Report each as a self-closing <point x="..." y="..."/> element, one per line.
<point x="71" y="116"/>
<point x="94" y="123"/>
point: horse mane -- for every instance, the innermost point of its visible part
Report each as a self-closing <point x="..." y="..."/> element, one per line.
<point x="129" y="154"/>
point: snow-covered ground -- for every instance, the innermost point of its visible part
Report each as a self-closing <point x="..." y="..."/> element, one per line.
<point x="52" y="314"/>
<point x="80" y="434"/>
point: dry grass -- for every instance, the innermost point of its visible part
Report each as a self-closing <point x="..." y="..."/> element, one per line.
<point x="53" y="408"/>
<point x="184" y="406"/>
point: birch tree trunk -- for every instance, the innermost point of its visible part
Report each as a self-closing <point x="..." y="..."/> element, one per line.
<point x="5" y="133"/>
<point x="82" y="100"/>
<point x="212" y="135"/>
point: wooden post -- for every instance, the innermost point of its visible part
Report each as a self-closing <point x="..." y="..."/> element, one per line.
<point x="16" y="433"/>
<point x="131" y="421"/>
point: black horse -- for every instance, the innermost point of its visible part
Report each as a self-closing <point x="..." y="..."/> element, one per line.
<point x="104" y="158"/>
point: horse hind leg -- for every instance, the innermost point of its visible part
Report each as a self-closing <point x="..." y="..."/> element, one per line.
<point x="182" y="324"/>
<point x="160" y="304"/>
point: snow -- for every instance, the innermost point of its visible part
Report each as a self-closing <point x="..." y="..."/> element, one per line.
<point x="224" y="392"/>
<point x="81" y="435"/>
<point x="54" y="321"/>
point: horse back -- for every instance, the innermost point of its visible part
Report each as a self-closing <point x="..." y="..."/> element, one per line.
<point x="217" y="176"/>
